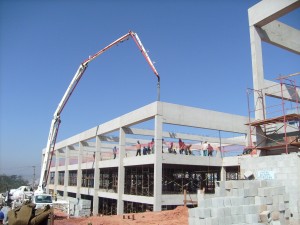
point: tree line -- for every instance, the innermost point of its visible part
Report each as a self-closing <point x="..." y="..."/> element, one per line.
<point x="11" y="182"/>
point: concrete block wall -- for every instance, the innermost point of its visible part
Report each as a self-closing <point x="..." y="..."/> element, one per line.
<point x="242" y="202"/>
<point x="286" y="171"/>
<point x="79" y="207"/>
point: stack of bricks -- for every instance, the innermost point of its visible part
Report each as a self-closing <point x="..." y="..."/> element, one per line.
<point x="80" y="207"/>
<point x="242" y="202"/>
<point x="283" y="168"/>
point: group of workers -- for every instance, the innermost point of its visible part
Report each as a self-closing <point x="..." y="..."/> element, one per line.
<point x="147" y="149"/>
<point x="207" y="149"/>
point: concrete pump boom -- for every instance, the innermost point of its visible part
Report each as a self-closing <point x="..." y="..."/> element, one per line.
<point x="56" y="117"/>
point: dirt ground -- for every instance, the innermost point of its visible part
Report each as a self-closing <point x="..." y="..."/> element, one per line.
<point x="178" y="216"/>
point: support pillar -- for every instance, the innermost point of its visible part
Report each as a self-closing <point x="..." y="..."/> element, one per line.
<point x="258" y="72"/>
<point x="96" y="176"/>
<point x="79" y="173"/>
<point x="223" y="174"/>
<point x="66" y="178"/>
<point x="121" y="171"/>
<point x="56" y="171"/>
<point x="158" y="160"/>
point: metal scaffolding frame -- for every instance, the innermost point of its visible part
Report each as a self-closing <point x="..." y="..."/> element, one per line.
<point x="139" y="180"/>
<point x="108" y="179"/>
<point x="107" y="206"/>
<point x="136" y="207"/>
<point x="274" y="129"/>
<point x="177" y="178"/>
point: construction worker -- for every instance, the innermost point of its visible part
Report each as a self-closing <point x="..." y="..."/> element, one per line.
<point x="204" y="148"/>
<point x="115" y="152"/>
<point x="138" y="148"/>
<point x="210" y="150"/>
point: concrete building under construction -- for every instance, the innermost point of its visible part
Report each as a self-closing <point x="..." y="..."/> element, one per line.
<point x="85" y="167"/>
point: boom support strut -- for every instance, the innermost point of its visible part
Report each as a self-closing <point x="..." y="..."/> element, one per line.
<point x="79" y="73"/>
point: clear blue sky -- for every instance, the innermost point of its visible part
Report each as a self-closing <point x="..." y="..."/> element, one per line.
<point x="201" y="50"/>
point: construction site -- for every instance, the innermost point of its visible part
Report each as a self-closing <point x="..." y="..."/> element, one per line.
<point x="162" y="160"/>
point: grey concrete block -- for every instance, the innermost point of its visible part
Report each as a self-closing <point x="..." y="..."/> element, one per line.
<point x="204" y="203"/>
<point x="220" y="192"/>
<point x="270" y="208"/>
<point x="249" y="200"/>
<point x="234" y="192"/>
<point x="212" y="221"/>
<point x="228" y="220"/>
<point x="227" y="202"/>
<point x="192" y="212"/>
<point x="275" y="223"/>
<point x="281" y="207"/>
<point x="269" y="200"/>
<point x="217" y="212"/>
<point x="246" y="209"/>
<point x="286" y="197"/>
<point x="237" y="201"/>
<point x="228" y="185"/>
<point x="260" y="200"/>
<point x="241" y="192"/>
<point x="237" y="184"/>
<point x="227" y="211"/>
<point x="250" y="192"/>
<point x="192" y="221"/>
<point x="252" y="218"/>
<point x="287" y="213"/>
<point x="287" y="205"/>
<point x="263" y="183"/>
<point x="236" y="210"/>
<point x="262" y="192"/>
<point x="217" y="202"/>
<point x="220" y="184"/>
<point x="202" y="213"/>
<point x="238" y="219"/>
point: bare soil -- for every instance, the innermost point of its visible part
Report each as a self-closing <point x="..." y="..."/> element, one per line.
<point x="178" y="216"/>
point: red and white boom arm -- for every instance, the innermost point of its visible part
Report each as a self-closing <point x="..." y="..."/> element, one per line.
<point x="56" y="117"/>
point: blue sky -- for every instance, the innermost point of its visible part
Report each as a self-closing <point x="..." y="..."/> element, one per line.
<point x="201" y="50"/>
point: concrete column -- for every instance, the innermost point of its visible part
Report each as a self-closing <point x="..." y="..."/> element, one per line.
<point x="158" y="163"/>
<point x="223" y="173"/>
<point x="56" y="170"/>
<point x="258" y="71"/>
<point x="121" y="171"/>
<point x="79" y="173"/>
<point x="96" y="176"/>
<point x="67" y="162"/>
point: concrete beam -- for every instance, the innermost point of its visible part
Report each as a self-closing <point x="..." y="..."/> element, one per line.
<point x="289" y="93"/>
<point x="202" y="118"/>
<point x="172" y="114"/>
<point x="267" y="11"/>
<point x="281" y="35"/>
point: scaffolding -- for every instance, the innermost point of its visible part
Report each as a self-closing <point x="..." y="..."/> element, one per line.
<point x="107" y="206"/>
<point x="176" y="179"/>
<point x="139" y="180"/>
<point x="87" y="178"/>
<point x="279" y="128"/>
<point x="136" y="207"/>
<point x="108" y="179"/>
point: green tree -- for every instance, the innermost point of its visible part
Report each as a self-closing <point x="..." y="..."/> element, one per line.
<point x="11" y="182"/>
